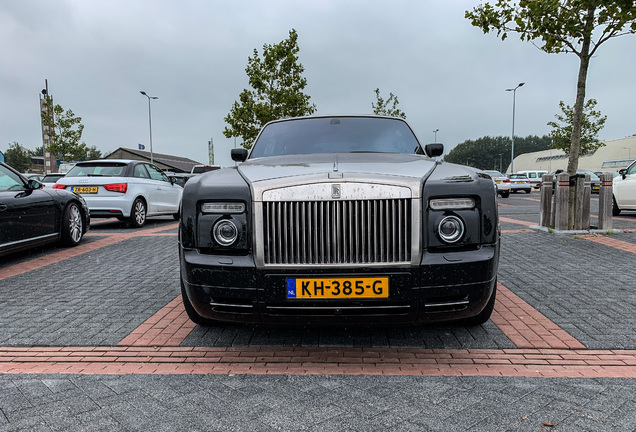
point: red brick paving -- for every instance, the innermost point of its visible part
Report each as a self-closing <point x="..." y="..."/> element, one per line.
<point x="332" y="361"/>
<point x="543" y="349"/>
<point x="525" y="326"/>
<point x="168" y="327"/>
<point x="516" y="221"/>
<point x="611" y="242"/>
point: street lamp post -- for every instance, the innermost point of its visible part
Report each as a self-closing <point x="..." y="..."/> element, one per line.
<point x="501" y="162"/>
<point x="149" y="121"/>
<point x="435" y="132"/>
<point x="512" y="152"/>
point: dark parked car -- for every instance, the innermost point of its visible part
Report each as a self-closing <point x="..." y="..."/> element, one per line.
<point x="31" y="215"/>
<point x="334" y="220"/>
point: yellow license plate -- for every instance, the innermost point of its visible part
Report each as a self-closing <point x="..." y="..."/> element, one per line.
<point x="338" y="288"/>
<point x="85" y="189"/>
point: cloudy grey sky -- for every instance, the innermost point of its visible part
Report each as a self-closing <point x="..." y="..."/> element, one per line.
<point x="97" y="56"/>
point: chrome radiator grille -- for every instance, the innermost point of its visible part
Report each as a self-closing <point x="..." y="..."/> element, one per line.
<point x="337" y="232"/>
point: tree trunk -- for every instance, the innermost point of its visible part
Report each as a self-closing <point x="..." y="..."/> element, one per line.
<point x="575" y="143"/>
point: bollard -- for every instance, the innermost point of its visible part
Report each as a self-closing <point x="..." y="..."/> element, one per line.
<point x="582" y="203"/>
<point x="545" y="211"/>
<point x="605" y="221"/>
<point x="561" y="201"/>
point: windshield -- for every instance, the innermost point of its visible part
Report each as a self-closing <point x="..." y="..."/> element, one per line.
<point x="336" y="135"/>
<point x="97" y="169"/>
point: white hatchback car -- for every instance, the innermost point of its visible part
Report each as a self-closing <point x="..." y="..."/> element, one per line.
<point x="624" y="190"/>
<point x="129" y="190"/>
<point x="501" y="182"/>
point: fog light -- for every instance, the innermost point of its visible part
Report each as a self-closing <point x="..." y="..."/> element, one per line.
<point x="450" y="229"/>
<point x="225" y="232"/>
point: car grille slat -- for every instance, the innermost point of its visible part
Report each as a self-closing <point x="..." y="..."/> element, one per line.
<point x="337" y="232"/>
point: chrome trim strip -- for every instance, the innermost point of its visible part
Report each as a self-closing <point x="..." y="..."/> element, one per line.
<point x="446" y="304"/>
<point x="331" y="308"/>
<point x="232" y="305"/>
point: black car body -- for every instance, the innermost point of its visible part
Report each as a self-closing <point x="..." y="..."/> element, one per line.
<point x="31" y="215"/>
<point x="333" y="220"/>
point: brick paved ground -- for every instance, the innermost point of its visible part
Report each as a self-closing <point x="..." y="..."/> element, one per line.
<point x="93" y="339"/>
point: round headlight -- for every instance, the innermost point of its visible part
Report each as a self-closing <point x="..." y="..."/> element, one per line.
<point x="450" y="229"/>
<point x="225" y="232"/>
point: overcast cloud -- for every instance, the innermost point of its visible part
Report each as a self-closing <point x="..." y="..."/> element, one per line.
<point x="448" y="75"/>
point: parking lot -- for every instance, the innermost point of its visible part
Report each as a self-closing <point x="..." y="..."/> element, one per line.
<point x="95" y="337"/>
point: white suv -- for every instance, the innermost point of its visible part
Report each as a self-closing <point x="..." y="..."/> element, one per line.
<point x="624" y="190"/>
<point x="129" y="190"/>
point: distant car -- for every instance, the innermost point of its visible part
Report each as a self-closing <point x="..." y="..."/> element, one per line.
<point x="519" y="183"/>
<point x="33" y="216"/>
<point x="501" y="181"/>
<point x="624" y="190"/>
<point x="33" y="176"/>
<point x="535" y="176"/>
<point x="180" y="178"/>
<point x="129" y="190"/>
<point x="594" y="179"/>
<point x="50" y="179"/>
<point x="200" y="169"/>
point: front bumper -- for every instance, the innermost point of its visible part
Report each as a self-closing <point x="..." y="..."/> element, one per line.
<point x="445" y="287"/>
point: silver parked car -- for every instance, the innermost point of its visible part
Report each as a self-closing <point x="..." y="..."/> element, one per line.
<point x="129" y="190"/>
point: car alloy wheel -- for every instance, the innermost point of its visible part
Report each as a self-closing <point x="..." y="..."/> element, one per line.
<point x="138" y="216"/>
<point x="72" y="225"/>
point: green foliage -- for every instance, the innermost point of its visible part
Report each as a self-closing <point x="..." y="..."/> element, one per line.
<point x="17" y="157"/>
<point x="65" y="131"/>
<point x="277" y="91"/>
<point x="388" y="107"/>
<point x="39" y="151"/>
<point x="93" y="153"/>
<point x="556" y="26"/>
<point x="591" y="123"/>
<point x="493" y="152"/>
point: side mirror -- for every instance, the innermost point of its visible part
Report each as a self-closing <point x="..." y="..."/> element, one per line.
<point x="434" y="150"/>
<point x="34" y="184"/>
<point x="239" y="154"/>
<point x="623" y="173"/>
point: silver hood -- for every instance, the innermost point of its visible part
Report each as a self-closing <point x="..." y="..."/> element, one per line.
<point x="294" y="171"/>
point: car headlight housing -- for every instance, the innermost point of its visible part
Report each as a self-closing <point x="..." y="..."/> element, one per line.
<point x="222" y="226"/>
<point x="451" y="229"/>
<point x="452" y="203"/>
<point x="452" y="222"/>
<point x="225" y="232"/>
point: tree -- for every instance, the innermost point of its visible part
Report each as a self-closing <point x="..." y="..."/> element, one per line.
<point x="17" y="157"/>
<point x="39" y="151"/>
<point x="591" y="123"/>
<point x="93" y="153"/>
<point x="388" y="107"/>
<point x="494" y="152"/>
<point x="561" y="26"/>
<point x="65" y="131"/>
<point x="277" y="91"/>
